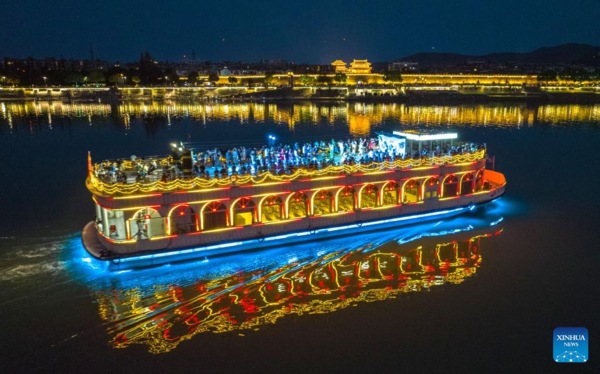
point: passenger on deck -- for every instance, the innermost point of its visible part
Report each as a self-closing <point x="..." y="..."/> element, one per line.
<point x="279" y="159"/>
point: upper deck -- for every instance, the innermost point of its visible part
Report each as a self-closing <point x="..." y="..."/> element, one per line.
<point x="192" y="169"/>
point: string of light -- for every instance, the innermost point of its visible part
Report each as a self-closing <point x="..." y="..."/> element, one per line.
<point x="195" y="183"/>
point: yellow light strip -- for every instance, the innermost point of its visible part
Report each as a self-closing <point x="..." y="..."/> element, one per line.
<point x="385" y="207"/>
<point x="136" y="196"/>
<point x="380" y="172"/>
<point x="138" y="208"/>
<point x="203" y="201"/>
<point x="270" y="194"/>
<point x="464" y="163"/>
<point x="332" y="214"/>
<point x="208" y="190"/>
<point x="483" y="192"/>
<point x="223" y="229"/>
<point x="284" y="221"/>
<point x="128" y="228"/>
<point x="265" y="184"/>
<point x="162" y="237"/>
<point x="449" y="198"/>
<point x="327" y="178"/>
<point x="325" y="188"/>
<point x="116" y="240"/>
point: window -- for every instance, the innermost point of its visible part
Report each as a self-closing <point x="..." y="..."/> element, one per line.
<point x="271" y="209"/>
<point x="368" y="196"/>
<point x="466" y="184"/>
<point x="390" y="193"/>
<point x="214" y="216"/>
<point x="243" y="212"/>
<point x="182" y="220"/>
<point x="411" y="192"/>
<point x="450" y="186"/>
<point x="322" y="202"/>
<point x="297" y="205"/>
<point x="345" y="199"/>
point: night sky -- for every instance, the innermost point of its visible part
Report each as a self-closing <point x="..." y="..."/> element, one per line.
<point x="313" y="31"/>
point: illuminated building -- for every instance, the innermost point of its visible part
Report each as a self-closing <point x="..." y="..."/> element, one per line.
<point x="147" y="222"/>
<point x="360" y="67"/>
<point x="340" y="66"/>
<point x="162" y="316"/>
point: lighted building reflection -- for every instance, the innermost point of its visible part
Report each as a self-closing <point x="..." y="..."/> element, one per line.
<point x="245" y="300"/>
<point x="361" y="117"/>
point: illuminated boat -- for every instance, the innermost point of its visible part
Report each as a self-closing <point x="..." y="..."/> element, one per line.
<point x="151" y="220"/>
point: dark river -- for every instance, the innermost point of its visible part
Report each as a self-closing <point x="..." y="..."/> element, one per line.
<point x="477" y="293"/>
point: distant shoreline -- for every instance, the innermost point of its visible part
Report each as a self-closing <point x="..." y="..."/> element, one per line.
<point x="413" y="94"/>
<point x="463" y="99"/>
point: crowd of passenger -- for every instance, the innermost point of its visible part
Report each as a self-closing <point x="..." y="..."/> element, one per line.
<point x="277" y="159"/>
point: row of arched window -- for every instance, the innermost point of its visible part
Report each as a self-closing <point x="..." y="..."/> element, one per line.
<point x="267" y="209"/>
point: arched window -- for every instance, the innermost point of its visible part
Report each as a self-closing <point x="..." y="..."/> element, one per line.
<point x="322" y="202"/>
<point x="368" y="196"/>
<point x="450" y="186"/>
<point x="466" y="184"/>
<point x="389" y="193"/>
<point x="146" y="223"/>
<point x="242" y="212"/>
<point x="182" y="220"/>
<point x="430" y="188"/>
<point x="271" y="209"/>
<point x="479" y="180"/>
<point x="297" y="206"/>
<point x="345" y="199"/>
<point x="214" y="216"/>
<point x="411" y="192"/>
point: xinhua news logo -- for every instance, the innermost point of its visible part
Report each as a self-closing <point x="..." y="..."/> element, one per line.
<point x="571" y="344"/>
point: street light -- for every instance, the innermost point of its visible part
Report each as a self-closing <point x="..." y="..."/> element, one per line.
<point x="45" y="83"/>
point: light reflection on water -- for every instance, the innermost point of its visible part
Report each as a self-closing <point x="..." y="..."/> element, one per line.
<point x="164" y="306"/>
<point x="49" y="293"/>
<point x="360" y="117"/>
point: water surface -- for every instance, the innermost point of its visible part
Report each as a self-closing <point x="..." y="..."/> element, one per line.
<point x="508" y="275"/>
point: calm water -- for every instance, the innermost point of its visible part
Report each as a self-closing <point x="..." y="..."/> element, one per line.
<point x="510" y="274"/>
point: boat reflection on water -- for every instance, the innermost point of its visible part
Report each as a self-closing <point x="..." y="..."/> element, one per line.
<point x="163" y="307"/>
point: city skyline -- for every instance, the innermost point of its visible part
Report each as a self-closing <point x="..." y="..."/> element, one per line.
<point x="313" y="33"/>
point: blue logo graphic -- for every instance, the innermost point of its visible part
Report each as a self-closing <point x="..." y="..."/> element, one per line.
<point x="571" y="344"/>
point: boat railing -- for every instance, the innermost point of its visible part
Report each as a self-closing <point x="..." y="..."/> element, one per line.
<point x="175" y="182"/>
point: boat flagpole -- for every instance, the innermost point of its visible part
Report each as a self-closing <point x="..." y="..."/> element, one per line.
<point x="89" y="163"/>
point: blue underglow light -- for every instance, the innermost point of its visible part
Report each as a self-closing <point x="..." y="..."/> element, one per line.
<point x="497" y="222"/>
<point x="432" y="234"/>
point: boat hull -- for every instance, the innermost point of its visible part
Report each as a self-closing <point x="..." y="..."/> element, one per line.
<point x="257" y="238"/>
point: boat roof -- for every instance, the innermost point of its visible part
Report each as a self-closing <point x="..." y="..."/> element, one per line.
<point x="421" y="135"/>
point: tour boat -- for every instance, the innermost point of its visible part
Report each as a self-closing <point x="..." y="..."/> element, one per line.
<point x="159" y="210"/>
